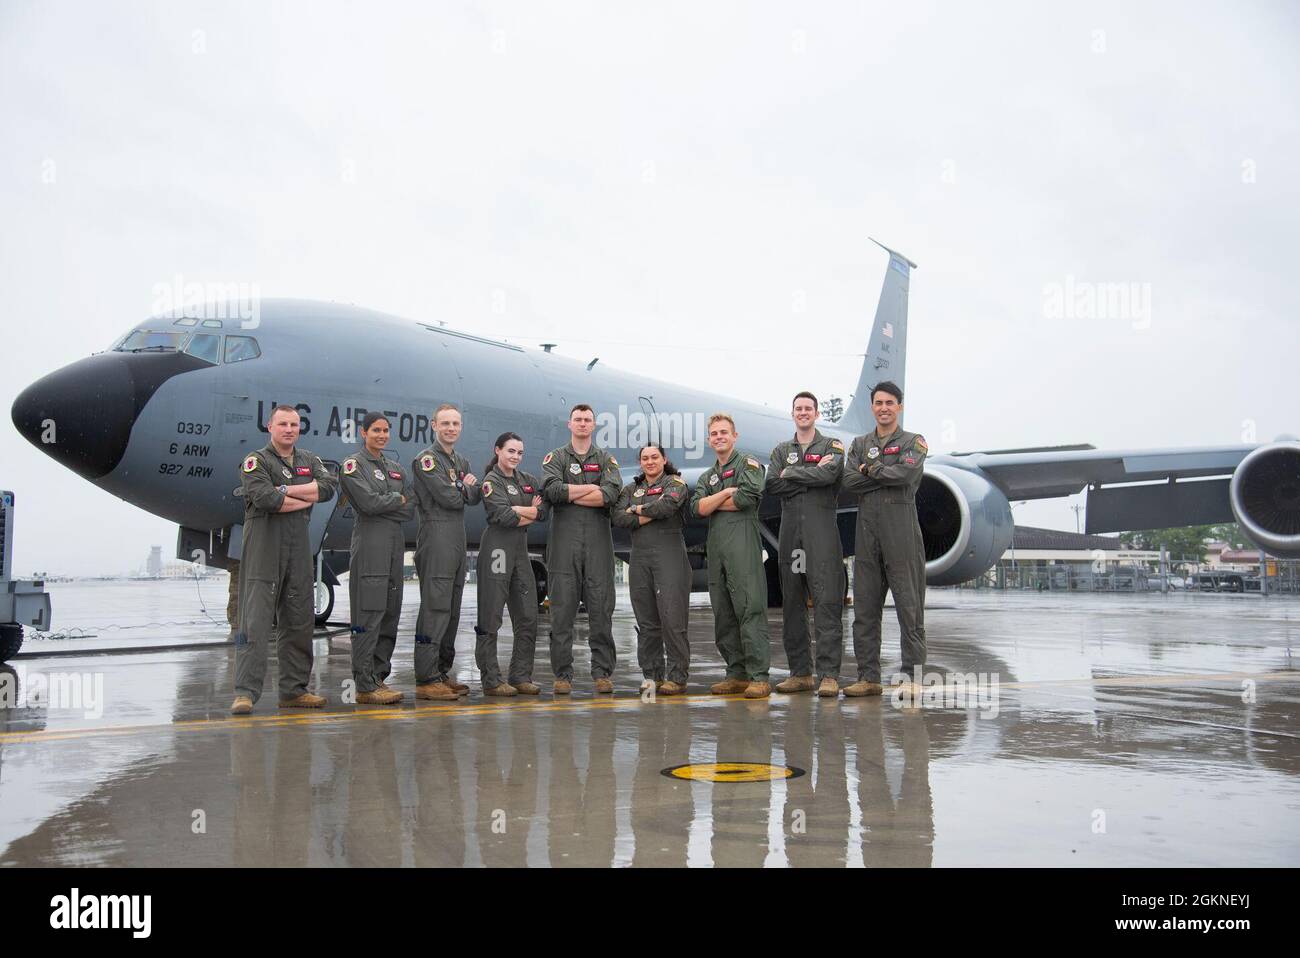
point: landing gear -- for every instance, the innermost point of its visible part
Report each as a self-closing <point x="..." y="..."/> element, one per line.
<point x="539" y="573"/>
<point x="324" y="602"/>
<point x="11" y="640"/>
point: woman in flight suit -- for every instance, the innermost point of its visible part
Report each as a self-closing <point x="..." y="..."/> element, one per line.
<point x="373" y="485"/>
<point x="653" y="506"/>
<point x="513" y="502"/>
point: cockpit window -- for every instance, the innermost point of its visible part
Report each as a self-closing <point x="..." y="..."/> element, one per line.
<point x="147" y="340"/>
<point x="205" y="347"/>
<point x="239" y="348"/>
<point x="186" y="321"/>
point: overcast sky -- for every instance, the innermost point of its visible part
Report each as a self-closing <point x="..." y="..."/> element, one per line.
<point x="703" y="175"/>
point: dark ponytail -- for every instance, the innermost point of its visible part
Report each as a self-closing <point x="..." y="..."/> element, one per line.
<point x="502" y="439"/>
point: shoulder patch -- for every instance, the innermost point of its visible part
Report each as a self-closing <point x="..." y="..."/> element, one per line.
<point x="754" y="462"/>
<point x="427" y="464"/>
<point x="250" y="464"/>
<point x="613" y="462"/>
<point x="487" y="487"/>
<point x="920" y="443"/>
<point x="349" y="466"/>
<point x="836" y="444"/>
<point x="547" y="458"/>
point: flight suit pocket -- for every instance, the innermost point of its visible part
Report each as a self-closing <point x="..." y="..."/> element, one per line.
<point x="374" y="593"/>
<point x="435" y="592"/>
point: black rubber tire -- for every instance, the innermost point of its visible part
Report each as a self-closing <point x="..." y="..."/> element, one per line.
<point x="11" y="640"/>
<point x="539" y="573"/>
<point x="323" y="617"/>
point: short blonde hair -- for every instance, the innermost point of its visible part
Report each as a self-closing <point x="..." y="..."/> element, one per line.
<point x="722" y="415"/>
<point x="443" y="408"/>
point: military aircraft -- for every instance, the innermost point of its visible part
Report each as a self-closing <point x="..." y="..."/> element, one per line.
<point x="164" y="417"/>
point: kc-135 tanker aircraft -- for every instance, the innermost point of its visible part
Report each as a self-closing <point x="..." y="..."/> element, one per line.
<point x="164" y="417"/>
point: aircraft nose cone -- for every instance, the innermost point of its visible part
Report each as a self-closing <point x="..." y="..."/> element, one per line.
<point x="81" y="415"/>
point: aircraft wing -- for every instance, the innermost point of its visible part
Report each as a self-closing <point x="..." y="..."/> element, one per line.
<point x="1167" y="497"/>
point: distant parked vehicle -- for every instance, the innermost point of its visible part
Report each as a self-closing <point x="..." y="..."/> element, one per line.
<point x="1219" y="581"/>
<point x="1173" y="582"/>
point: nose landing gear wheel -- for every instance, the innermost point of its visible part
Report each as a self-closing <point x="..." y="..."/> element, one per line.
<point x="11" y="640"/>
<point x="324" y="603"/>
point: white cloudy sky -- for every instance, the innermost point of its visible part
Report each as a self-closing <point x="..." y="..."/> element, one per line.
<point x="674" y="172"/>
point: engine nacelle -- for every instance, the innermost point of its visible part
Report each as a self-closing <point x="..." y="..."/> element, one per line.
<point x="1265" y="497"/>
<point x="965" y="522"/>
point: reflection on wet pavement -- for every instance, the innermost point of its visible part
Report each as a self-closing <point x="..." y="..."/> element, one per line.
<point x="1127" y="731"/>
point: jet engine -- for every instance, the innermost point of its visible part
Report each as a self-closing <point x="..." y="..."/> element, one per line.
<point x="965" y="523"/>
<point x="1265" y="497"/>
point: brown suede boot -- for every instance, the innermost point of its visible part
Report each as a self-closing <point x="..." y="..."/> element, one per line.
<point x="241" y="706"/>
<point x="563" y="687"/>
<point x="729" y="687"/>
<point x="758" y="690"/>
<point x="378" y="697"/>
<point x="797" y="683"/>
<point x="304" y="701"/>
<point x="859" y="689"/>
<point x="829" y="689"/>
<point x="436" y="691"/>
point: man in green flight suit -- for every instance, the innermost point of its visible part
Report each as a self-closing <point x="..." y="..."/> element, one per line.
<point x="884" y="469"/>
<point x="805" y="476"/>
<point x="581" y="481"/>
<point x="444" y="486"/>
<point x="728" y="495"/>
<point x="280" y="483"/>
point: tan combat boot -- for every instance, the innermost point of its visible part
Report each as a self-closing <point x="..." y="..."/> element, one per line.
<point x="379" y="697"/>
<point x="241" y="706"/>
<point x="460" y="688"/>
<point x="729" y="687"/>
<point x="604" y="686"/>
<point x="502" y="689"/>
<point x="305" y="701"/>
<point x="859" y="689"/>
<point x="528" y="688"/>
<point x="563" y="687"/>
<point x="758" y="690"/>
<point x="672" y="688"/>
<point x="436" y="691"/>
<point x="797" y="683"/>
<point x="829" y="689"/>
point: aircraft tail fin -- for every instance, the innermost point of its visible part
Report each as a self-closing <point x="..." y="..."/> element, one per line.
<point x="887" y="348"/>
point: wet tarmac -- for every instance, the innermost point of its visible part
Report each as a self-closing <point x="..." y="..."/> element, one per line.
<point x="1100" y="730"/>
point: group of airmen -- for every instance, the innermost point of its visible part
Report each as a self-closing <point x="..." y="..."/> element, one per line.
<point x="581" y="494"/>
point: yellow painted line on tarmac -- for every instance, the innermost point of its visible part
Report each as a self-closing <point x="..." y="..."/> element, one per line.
<point x="301" y="717"/>
<point x="312" y="717"/>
